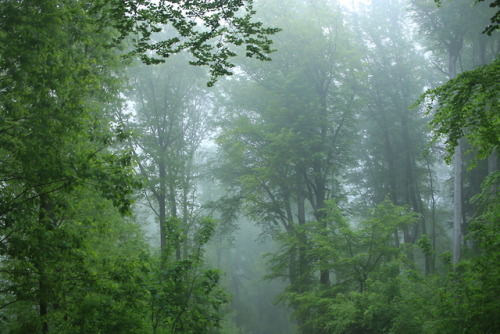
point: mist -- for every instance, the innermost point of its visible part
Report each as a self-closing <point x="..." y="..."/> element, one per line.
<point x="249" y="167"/>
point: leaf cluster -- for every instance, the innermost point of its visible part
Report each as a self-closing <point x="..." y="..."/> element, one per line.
<point x="467" y="106"/>
<point x="205" y="29"/>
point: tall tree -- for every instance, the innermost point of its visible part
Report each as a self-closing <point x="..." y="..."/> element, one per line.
<point x="60" y="84"/>
<point x="56" y="130"/>
<point x="449" y="31"/>
<point x="287" y="144"/>
<point x="392" y="136"/>
<point x="171" y="122"/>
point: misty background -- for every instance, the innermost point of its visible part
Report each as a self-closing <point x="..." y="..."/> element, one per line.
<point x="346" y="184"/>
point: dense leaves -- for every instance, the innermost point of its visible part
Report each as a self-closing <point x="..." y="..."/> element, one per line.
<point x="467" y="106"/>
<point x="366" y="262"/>
<point x="385" y="264"/>
<point x="317" y="147"/>
<point x="186" y="298"/>
<point x="206" y="29"/>
<point x="70" y="261"/>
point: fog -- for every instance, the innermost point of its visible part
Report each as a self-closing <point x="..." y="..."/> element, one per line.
<point x="299" y="166"/>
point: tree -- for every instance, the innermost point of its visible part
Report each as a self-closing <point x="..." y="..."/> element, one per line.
<point x="392" y="137"/>
<point x="284" y="149"/>
<point x="495" y="19"/>
<point x="60" y="78"/>
<point x="171" y="122"/>
<point x="96" y="266"/>
<point x="447" y="28"/>
<point x="465" y="107"/>
<point x="366" y="261"/>
<point x="56" y="131"/>
<point x="185" y="297"/>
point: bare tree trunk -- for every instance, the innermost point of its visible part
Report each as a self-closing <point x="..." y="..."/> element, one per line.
<point x="303" y="270"/>
<point x="433" y="217"/>
<point x="453" y="54"/>
<point x="457" y="204"/>
<point x="161" y="198"/>
<point x="175" y="237"/>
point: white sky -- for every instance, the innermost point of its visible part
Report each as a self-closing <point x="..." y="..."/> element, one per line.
<point x="352" y="4"/>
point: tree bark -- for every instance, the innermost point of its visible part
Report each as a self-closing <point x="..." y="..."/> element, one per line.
<point x="173" y="214"/>
<point x="453" y="54"/>
<point x="45" y="223"/>
<point x="433" y="217"/>
<point x="161" y="198"/>
<point x="457" y="204"/>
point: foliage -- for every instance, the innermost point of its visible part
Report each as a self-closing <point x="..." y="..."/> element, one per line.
<point x="170" y="123"/>
<point x="56" y="134"/>
<point x="74" y="261"/>
<point x="466" y="106"/>
<point x="185" y="298"/>
<point x="207" y="30"/>
<point x="95" y="268"/>
<point x="366" y="263"/>
<point x="461" y="301"/>
<point x="70" y="261"/>
<point x="377" y="289"/>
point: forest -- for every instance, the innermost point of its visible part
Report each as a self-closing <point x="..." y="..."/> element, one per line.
<point x="249" y="166"/>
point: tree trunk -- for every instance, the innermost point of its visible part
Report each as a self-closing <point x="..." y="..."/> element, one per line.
<point x="457" y="204"/>
<point x="175" y="237"/>
<point x="162" y="207"/>
<point x="453" y="55"/>
<point x="43" y="302"/>
<point x="433" y="217"/>
<point x="45" y="223"/>
<point x="300" y="234"/>
<point x="303" y="265"/>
